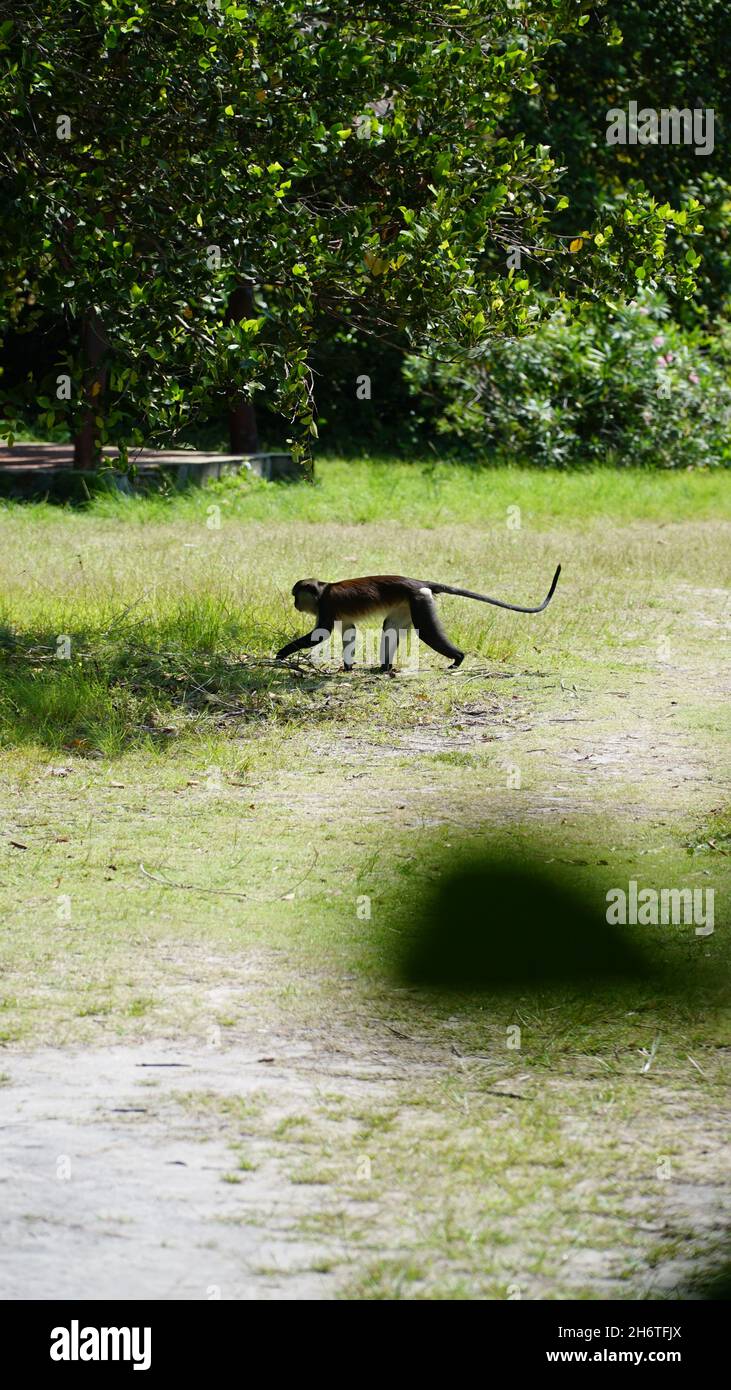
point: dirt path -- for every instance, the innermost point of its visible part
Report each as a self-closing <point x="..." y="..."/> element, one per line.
<point x="114" y="1187"/>
<point x="119" y="1174"/>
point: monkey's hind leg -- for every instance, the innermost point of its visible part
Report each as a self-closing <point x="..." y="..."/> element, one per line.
<point x="349" y="636"/>
<point x="394" y="625"/>
<point x="426" y="621"/>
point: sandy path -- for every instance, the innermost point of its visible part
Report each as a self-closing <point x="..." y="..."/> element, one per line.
<point x="144" y="1210"/>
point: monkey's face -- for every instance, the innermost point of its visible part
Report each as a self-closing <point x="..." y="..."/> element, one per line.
<point x="306" y="594"/>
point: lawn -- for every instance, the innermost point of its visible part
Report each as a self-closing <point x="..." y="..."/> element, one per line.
<point x="216" y="864"/>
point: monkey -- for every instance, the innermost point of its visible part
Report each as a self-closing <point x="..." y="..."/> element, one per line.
<point x="406" y="603"/>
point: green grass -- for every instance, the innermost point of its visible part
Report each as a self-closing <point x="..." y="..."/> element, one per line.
<point x="177" y="810"/>
<point x="430" y="495"/>
<point x="170" y="623"/>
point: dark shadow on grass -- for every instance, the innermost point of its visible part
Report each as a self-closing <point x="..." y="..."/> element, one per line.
<point x="715" y="1286"/>
<point x="503" y="924"/>
<point x="118" y="688"/>
<point x="499" y="925"/>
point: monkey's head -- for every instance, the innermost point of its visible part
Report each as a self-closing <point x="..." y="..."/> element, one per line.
<point x="307" y="594"/>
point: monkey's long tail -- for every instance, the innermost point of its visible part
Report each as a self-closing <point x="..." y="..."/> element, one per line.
<point x="498" y="603"/>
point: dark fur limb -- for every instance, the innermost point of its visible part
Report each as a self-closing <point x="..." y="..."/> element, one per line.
<point x="310" y="640"/>
<point x="426" y="621"/>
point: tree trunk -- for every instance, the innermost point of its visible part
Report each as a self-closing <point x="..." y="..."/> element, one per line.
<point x="93" y="346"/>
<point x="242" y="432"/>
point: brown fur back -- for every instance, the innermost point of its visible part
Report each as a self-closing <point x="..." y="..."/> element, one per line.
<point x="372" y="595"/>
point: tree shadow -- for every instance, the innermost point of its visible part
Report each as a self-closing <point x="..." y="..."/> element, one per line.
<point x="511" y="925"/>
<point x="500" y="925"/>
<point x="91" y="690"/>
<point x="714" y="1285"/>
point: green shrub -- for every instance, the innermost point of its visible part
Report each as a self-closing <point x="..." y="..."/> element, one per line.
<point x="630" y="388"/>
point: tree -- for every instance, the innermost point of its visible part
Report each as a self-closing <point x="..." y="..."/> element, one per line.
<point x="659" y="56"/>
<point x="353" y="164"/>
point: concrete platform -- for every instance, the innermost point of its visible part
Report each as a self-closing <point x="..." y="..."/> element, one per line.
<point x="29" y="469"/>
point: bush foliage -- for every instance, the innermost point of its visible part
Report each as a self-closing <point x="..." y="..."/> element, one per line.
<point x="628" y="388"/>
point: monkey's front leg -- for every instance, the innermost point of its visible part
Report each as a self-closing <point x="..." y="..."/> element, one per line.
<point x="310" y="641"/>
<point x="349" y="635"/>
